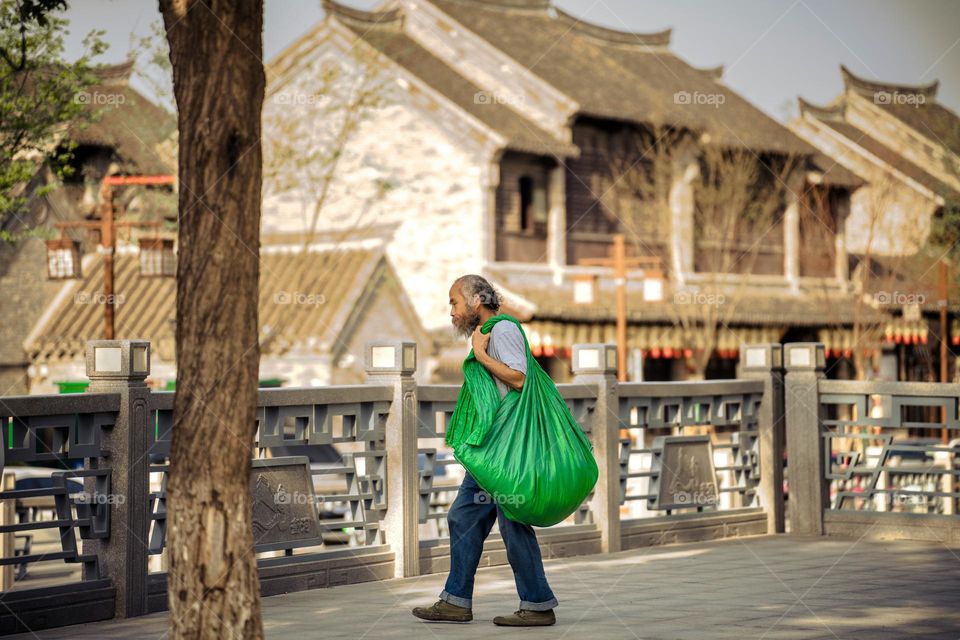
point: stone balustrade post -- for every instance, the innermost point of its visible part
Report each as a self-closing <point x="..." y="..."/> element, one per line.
<point x="394" y="363"/>
<point x="596" y="364"/>
<point x="121" y="367"/>
<point x="808" y="496"/>
<point x="765" y="362"/>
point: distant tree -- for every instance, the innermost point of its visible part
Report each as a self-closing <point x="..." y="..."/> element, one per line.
<point x="309" y="124"/>
<point x="40" y="94"/>
<point x="945" y="229"/>
<point x="309" y="121"/>
<point x="151" y="57"/>
<point x="862" y="305"/>
<point x="738" y="199"/>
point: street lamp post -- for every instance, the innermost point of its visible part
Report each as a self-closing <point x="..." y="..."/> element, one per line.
<point x="107" y="227"/>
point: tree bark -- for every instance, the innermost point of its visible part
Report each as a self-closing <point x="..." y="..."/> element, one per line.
<point x="216" y="51"/>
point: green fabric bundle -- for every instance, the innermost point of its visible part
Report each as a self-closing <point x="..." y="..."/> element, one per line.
<point x="525" y="450"/>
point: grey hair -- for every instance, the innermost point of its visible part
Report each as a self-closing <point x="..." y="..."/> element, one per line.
<point x="472" y="284"/>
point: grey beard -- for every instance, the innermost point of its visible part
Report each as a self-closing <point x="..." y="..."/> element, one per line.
<point x="469" y="327"/>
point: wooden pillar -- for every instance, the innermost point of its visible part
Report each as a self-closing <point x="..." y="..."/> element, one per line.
<point x="556" y="218"/>
<point x="791" y="241"/>
<point x="681" y="201"/>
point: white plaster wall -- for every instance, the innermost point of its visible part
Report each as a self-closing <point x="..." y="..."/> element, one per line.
<point x="310" y="370"/>
<point x="888" y="216"/>
<point x="887" y="220"/>
<point x="413" y="162"/>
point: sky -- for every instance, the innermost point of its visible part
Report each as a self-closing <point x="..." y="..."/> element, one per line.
<point x="772" y="50"/>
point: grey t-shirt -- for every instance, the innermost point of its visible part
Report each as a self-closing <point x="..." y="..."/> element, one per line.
<point x="506" y="345"/>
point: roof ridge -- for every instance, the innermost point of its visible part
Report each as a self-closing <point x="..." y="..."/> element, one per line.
<point x="533" y="5"/>
<point x="826" y="112"/>
<point x="871" y="87"/>
<point x="439" y="76"/>
<point x="118" y="73"/>
<point x="878" y="148"/>
<point x="616" y="37"/>
<point x="714" y="72"/>
<point x="388" y="18"/>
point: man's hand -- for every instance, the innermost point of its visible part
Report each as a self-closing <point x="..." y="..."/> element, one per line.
<point x="510" y="377"/>
<point x="480" y="342"/>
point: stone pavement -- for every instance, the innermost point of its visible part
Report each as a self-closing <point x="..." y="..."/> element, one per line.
<point x="772" y="587"/>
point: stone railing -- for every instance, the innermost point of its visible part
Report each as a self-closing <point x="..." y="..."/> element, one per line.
<point x="369" y="478"/>
<point x="855" y="467"/>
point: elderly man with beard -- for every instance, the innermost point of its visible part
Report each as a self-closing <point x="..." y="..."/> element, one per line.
<point x="502" y="351"/>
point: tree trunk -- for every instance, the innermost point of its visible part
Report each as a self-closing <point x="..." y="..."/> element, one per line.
<point x="216" y="49"/>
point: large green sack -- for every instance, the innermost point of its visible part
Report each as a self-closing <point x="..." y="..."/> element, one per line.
<point x="526" y="450"/>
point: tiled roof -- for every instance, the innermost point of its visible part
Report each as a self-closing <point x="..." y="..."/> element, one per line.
<point x="126" y="121"/>
<point x="931" y="120"/>
<point x="304" y="303"/>
<point x="916" y="106"/>
<point x="835" y="173"/>
<point x="889" y="157"/>
<point x="383" y="31"/>
<point x="913" y="277"/>
<point x="619" y="75"/>
<point x="555" y="303"/>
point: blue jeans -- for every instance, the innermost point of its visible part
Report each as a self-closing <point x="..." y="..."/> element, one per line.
<point x="470" y="519"/>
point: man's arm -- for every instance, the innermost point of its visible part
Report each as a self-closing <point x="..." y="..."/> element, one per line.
<point x="510" y="377"/>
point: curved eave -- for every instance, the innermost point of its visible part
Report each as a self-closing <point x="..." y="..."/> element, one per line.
<point x="829" y="112"/>
<point x="608" y="36"/>
<point x="714" y="72"/>
<point x="870" y="87"/>
<point x="530" y="5"/>
<point x="114" y="74"/>
<point x="386" y="18"/>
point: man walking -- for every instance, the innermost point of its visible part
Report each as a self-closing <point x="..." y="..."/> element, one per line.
<point x="502" y="352"/>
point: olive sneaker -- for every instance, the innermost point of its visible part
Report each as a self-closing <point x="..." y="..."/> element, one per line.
<point x="443" y="611"/>
<point x="527" y="618"/>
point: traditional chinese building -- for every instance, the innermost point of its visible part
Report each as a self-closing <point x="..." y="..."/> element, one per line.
<point x="495" y="132"/>
<point x="317" y="309"/>
<point x="124" y="133"/>
<point x="906" y="145"/>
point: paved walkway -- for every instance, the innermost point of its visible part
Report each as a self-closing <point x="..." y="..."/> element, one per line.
<point x="763" y="587"/>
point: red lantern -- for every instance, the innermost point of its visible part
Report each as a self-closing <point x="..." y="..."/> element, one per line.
<point x="655" y="353"/>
